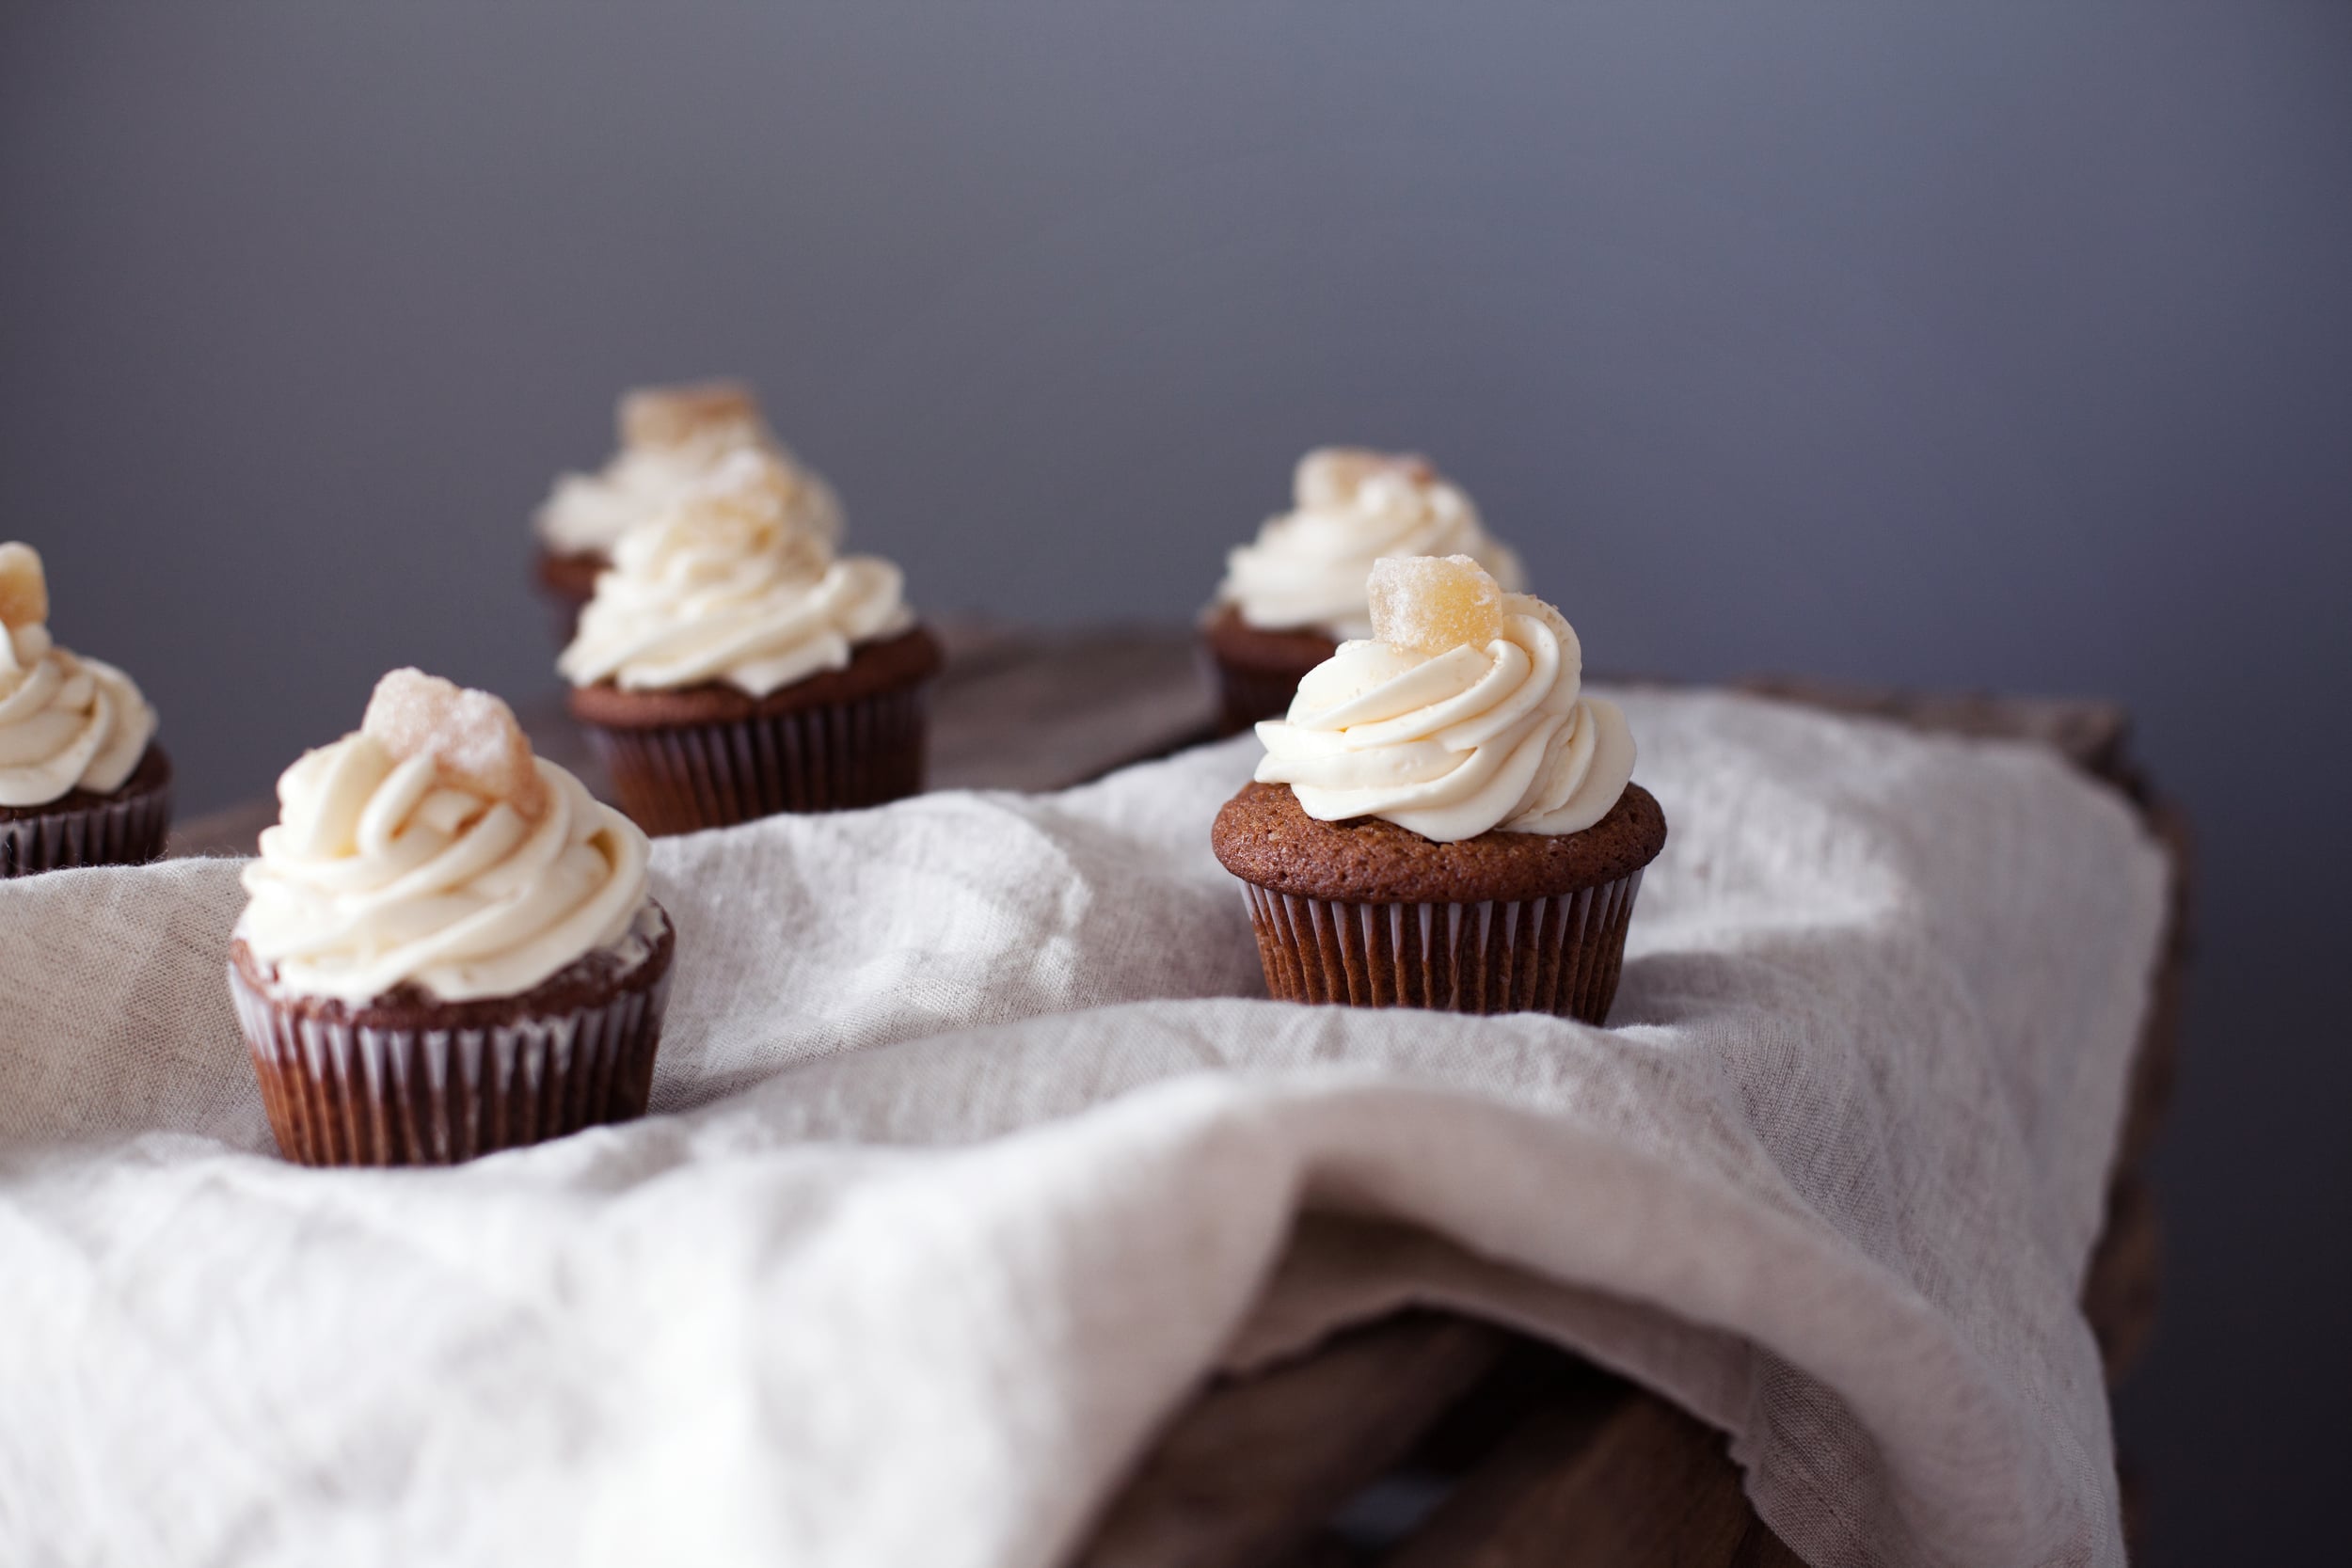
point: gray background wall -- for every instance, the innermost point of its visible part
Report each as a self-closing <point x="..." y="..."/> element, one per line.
<point x="1981" y="345"/>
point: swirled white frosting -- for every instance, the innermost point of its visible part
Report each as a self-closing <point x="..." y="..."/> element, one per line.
<point x="728" y="586"/>
<point x="1305" y="569"/>
<point x="662" y="461"/>
<point x="65" y="723"/>
<point x="1454" y="745"/>
<point x="398" y="859"/>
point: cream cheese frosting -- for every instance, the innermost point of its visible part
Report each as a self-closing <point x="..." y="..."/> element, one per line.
<point x="65" y="723"/>
<point x="671" y="439"/>
<point x="1463" y="714"/>
<point x="1307" y="568"/>
<point x="729" y="585"/>
<point x="431" y="847"/>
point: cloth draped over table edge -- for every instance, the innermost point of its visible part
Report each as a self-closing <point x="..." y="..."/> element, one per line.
<point x="1882" y="1410"/>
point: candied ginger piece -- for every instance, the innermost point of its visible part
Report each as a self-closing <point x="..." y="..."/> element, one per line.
<point x="23" y="588"/>
<point x="672" y="416"/>
<point x="472" y="736"/>
<point x="1330" y="476"/>
<point x="1432" y="604"/>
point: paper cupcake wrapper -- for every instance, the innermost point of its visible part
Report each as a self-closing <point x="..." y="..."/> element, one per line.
<point x="565" y="601"/>
<point x="1245" y="696"/>
<point x="129" y="831"/>
<point x="342" y="1094"/>
<point x="1560" y="954"/>
<point x="836" y="758"/>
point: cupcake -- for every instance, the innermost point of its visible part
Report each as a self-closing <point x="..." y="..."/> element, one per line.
<point x="732" y="666"/>
<point x="1441" y="820"/>
<point x="1289" y="597"/>
<point x="82" y="781"/>
<point x="671" y="438"/>
<point x="448" y="947"/>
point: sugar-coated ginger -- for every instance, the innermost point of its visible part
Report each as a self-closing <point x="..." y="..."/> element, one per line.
<point x="1433" y="604"/>
<point x="474" y="741"/>
<point x="23" y="588"/>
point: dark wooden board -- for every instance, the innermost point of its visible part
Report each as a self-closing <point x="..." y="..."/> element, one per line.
<point x="1011" y="711"/>
<point x="1607" y="1479"/>
<point x="1256" y="1465"/>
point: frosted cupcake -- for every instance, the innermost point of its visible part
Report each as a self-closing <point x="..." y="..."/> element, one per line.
<point x="1289" y="597"/>
<point x="1443" y="821"/>
<point x="671" y="438"/>
<point x="82" y="781"/>
<point x="732" y="665"/>
<point x="450" y="948"/>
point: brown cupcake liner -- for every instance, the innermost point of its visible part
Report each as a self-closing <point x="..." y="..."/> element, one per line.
<point x="566" y="583"/>
<point x="340" y="1092"/>
<point x="1256" y="669"/>
<point x="128" y="830"/>
<point x="1560" y="954"/>
<point x="1245" y="696"/>
<point x="836" y="757"/>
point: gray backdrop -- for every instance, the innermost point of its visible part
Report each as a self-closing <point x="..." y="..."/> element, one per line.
<point x="1986" y="344"/>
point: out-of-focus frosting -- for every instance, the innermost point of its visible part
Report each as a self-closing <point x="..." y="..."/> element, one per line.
<point x="1305" y="569"/>
<point x="431" y="847"/>
<point x="672" y="439"/>
<point x="729" y="585"/>
<point x="1450" y="744"/>
<point x="65" y="723"/>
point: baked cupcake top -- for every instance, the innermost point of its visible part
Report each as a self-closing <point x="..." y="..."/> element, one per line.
<point x="1307" y="568"/>
<point x="1460" y="715"/>
<point x="671" y="438"/>
<point x="430" y="847"/>
<point x="65" y="723"/>
<point x="732" y="585"/>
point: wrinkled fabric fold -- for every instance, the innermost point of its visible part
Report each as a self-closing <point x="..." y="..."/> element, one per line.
<point x="983" y="1145"/>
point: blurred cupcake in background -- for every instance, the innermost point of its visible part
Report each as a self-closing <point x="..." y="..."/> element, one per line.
<point x="82" y="781"/>
<point x="450" y="948"/>
<point x="1290" y="596"/>
<point x="1444" y="819"/>
<point x="671" y="438"/>
<point x="732" y="665"/>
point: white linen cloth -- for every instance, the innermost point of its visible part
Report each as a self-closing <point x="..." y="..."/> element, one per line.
<point x="978" y="1153"/>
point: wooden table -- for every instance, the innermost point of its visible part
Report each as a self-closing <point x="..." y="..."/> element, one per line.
<point x="1429" y="1440"/>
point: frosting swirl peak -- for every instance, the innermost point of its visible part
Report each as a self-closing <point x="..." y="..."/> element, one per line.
<point x="431" y="847"/>
<point x="65" y="723"/>
<point x="730" y="585"/>
<point x="1462" y="716"/>
<point x="671" y="439"/>
<point x="1352" y="507"/>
